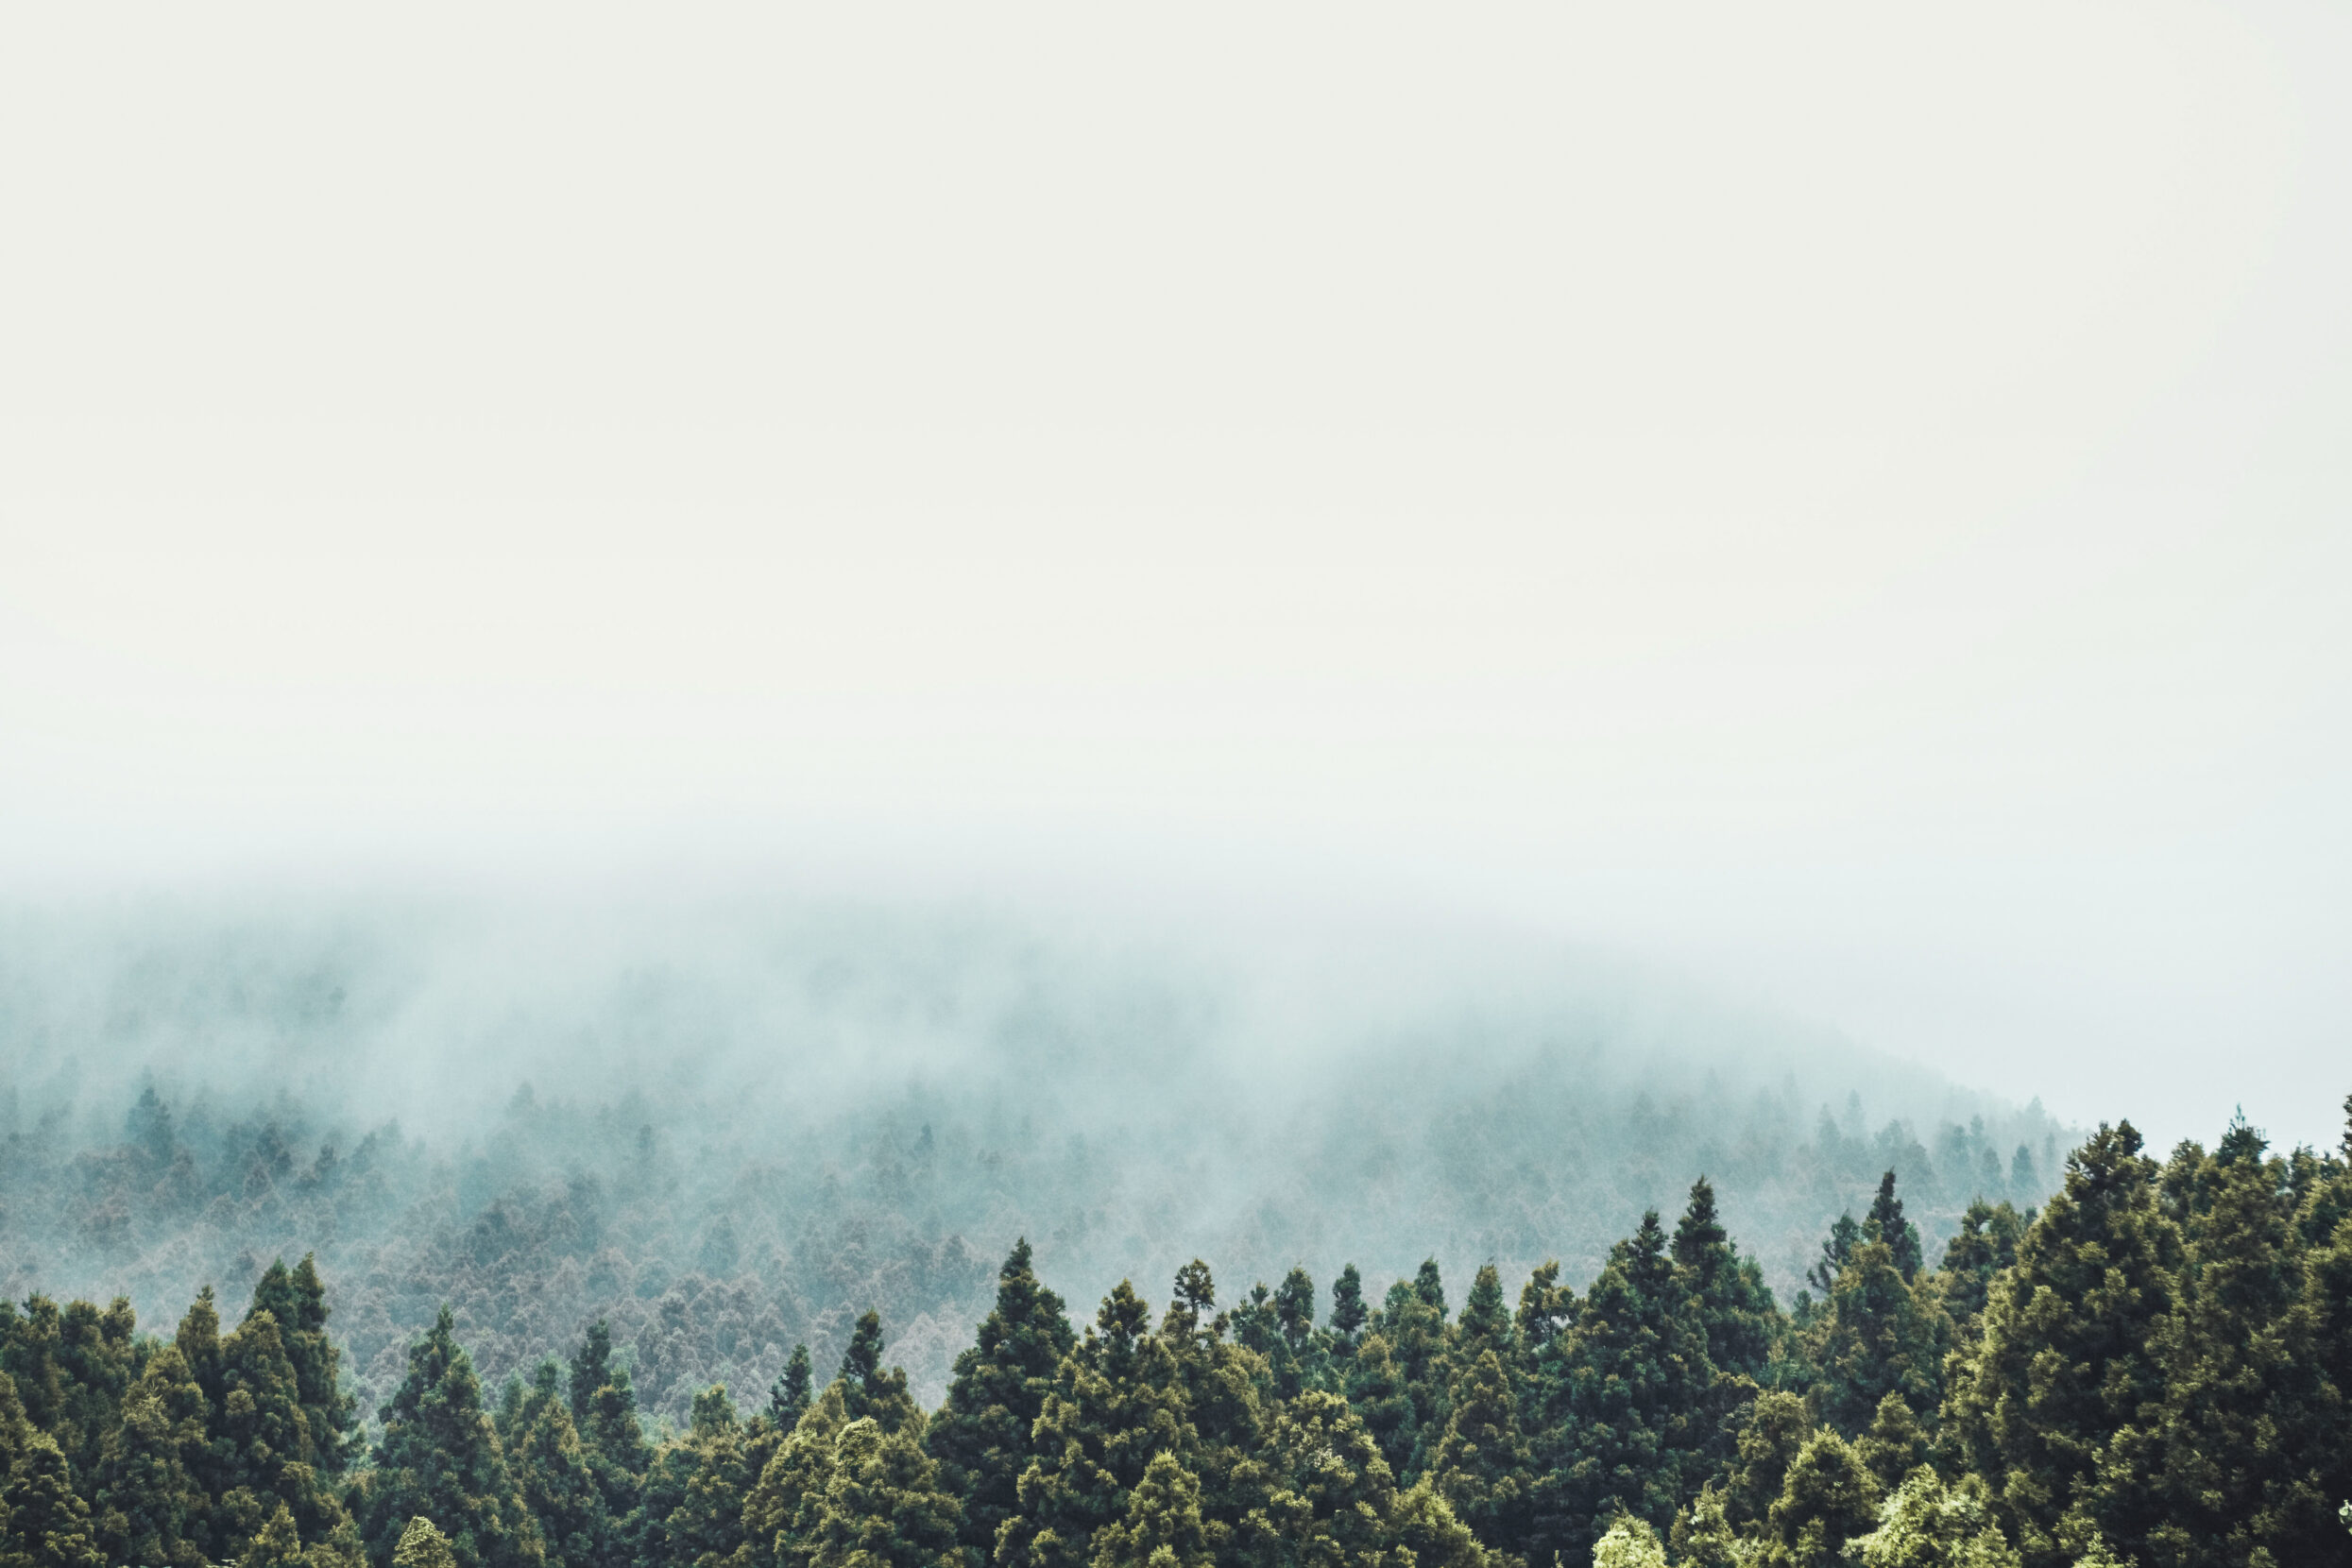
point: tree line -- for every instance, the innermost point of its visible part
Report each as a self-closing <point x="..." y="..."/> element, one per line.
<point x="2150" y="1368"/>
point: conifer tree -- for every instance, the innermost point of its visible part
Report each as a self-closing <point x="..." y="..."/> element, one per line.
<point x="981" y="1436"/>
<point x="150" y="1507"/>
<point x="1902" y="1240"/>
<point x="277" y="1545"/>
<point x="1737" y="1306"/>
<point x="1627" y="1424"/>
<point x="1879" y="1335"/>
<point x="47" y="1525"/>
<point x="1162" y="1527"/>
<point x="884" y="1505"/>
<point x="1929" y="1525"/>
<point x="1117" y="1400"/>
<point x="296" y="1299"/>
<point x="604" y="1413"/>
<point x="2066" y="1356"/>
<point x="1348" y="1314"/>
<point x="440" y="1458"/>
<point x="787" y="1401"/>
<point x="1378" y="1392"/>
<point x="422" y="1546"/>
<point x="1827" y="1499"/>
<point x="558" y="1484"/>
<point x="867" y="1390"/>
<point x="784" y="1513"/>
<point x="1481" y="1464"/>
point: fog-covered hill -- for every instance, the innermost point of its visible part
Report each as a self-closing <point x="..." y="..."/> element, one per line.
<point x="732" y="1126"/>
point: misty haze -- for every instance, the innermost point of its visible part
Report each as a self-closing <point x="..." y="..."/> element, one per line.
<point x="1278" y="786"/>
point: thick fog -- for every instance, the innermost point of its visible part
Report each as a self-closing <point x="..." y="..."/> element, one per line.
<point x="730" y="1125"/>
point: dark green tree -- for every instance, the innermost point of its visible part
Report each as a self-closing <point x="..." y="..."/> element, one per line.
<point x="981" y="1436"/>
<point x="2066" y="1358"/>
<point x="787" y="1401"/>
<point x="44" y="1522"/>
<point x="440" y="1458"/>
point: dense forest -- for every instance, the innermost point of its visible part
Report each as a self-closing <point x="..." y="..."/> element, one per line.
<point x="857" y="1109"/>
<point x="2150" y="1367"/>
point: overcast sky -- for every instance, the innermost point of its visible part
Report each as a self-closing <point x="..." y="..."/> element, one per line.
<point x="1855" y="502"/>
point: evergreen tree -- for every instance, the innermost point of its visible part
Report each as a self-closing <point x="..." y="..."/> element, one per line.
<point x="277" y="1545"/>
<point x="1987" y="1244"/>
<point x="1929" y="1525"/>
<point x="867" y="1390"/>
<point x="604" y="1413"/>
<point x="1348" y="1314"/>
<point x="2236" y="1457"/>
<point x="1628" y="1424"/>
<point x="440" y="1458"/>
<point x="1481" y="1464"/>
<point x="981" y="1436"/>
<point x="787" y="1401"/>
<point x="47" y="1525"/>
<point x="1827" y="1499"/>
<point x="1737" y="1306"/>
<point x="1886" y="1221"/>
<point x="1117" y="1400"/>
<point x="1629" y="1542"/>
<point x="783" y="1518"/>
<point x="296" y="1299"/>
<point x="558" y="1484"/>
<point x="1162" y="1527"/>
<point x="1877" y="1334"/>
<point x="2066" y="1356"/>
<point x="1378" y="1392"/>
<point x="884" y="1505"/>
<point x="150" y="1507"/>
<point x="422" y="1546"/>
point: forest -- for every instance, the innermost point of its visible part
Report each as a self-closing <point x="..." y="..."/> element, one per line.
<point x="2148" y="1367"/>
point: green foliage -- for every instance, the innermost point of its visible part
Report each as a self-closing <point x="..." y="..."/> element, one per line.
<point x="2151" y="1371"/>
<point x="981" y="1436"/>
<point x="48" y="1523"/>
<point x="1929" y="1525"/>
<point x="1629" y="1542"/>
<point x="2069" y="1351"/>
<point x="441" y="1458"/>
<point x="422" y="1546"/>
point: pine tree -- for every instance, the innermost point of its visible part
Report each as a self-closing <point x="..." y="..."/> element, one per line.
<point x="981" y="1436"/>
<point x="47" y="1523"/>
<point x="867" y="1390"/>
<point x="1742" y="1320"/>
<point x="1877" y="1334"/>
<point x="1117" y="1400"/>
<point x="277" y="1545"/>
<point x="422" y="1546"/>
<point x="1378" y="1392"/>
<point x="1929" y="1525"/>
<point x="440" y="1458"/>
<point x="1481" y="1465"/>
<point x="604" y="1413"/>
<point x="1827" y="1499"/>
<point x="784" y="1513"/>
<point x="1162" y="1527"/>
<point x="2236" y="1457"/>
<point x="1628" y="1423"/>
<point x="297" y="1301"/>
<point x="150" y="1507"/>
<point x="2066" y="1356"/>
<point x="558" y="1484"/>
<point x="884" y="1506"/>
<point x="1629" y="1542"/>
<point x="1348" y="1314"/>
<point x="1886" y="1221"/>
<point x="787" y="1401"/>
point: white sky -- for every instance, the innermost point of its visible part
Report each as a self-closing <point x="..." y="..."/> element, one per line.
<point x="1855" y="500"/>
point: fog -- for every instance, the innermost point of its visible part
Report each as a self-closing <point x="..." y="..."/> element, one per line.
<point x="1843" y="508"/>
<point x="729" y="1123"/>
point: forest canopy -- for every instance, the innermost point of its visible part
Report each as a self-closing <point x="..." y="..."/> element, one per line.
<point x="2150" y="1367"/>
